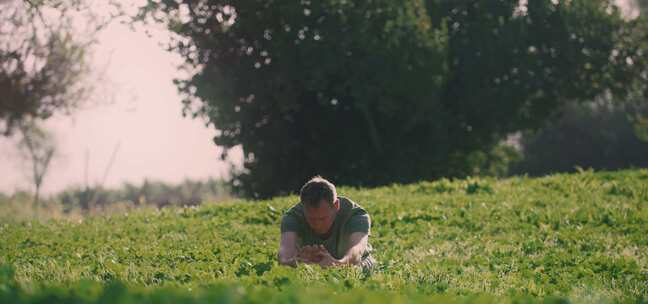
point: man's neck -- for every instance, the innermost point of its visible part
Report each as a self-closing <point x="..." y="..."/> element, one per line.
<point x="327" y="235"/>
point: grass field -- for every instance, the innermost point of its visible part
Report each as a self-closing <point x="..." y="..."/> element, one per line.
<point x="581" y="237"/>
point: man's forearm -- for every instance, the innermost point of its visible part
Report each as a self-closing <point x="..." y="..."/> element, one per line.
<point x="353" y="256"/>
<point x="359" y="246"/>
<point x="288" y="249"/>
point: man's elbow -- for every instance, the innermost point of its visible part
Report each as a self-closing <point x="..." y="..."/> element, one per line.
<point x="353" y="259"/>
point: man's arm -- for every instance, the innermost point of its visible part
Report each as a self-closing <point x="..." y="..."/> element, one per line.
<point x="358" y="242"/>
<point x="288" y="249"/>
<point x="353" y="256"/>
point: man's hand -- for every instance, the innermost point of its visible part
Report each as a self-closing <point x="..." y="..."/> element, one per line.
<point x="327" y="260"/>
<point x="310" y="254"/>
<point x="317" y="254"/>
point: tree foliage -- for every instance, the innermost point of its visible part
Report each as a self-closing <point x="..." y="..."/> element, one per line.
<point x="43" y="57"/>
<point x="375" y="92"/>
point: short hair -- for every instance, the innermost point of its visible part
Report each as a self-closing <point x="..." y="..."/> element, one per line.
<point x="316" y="190"/>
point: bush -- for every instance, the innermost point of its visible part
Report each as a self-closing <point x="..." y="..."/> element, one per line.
<point x="599" y="135"/>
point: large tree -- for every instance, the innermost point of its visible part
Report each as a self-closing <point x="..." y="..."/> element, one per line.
<point x="375" y="92"/>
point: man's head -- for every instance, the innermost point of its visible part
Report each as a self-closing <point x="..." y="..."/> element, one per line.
<point x="321" y="204"/>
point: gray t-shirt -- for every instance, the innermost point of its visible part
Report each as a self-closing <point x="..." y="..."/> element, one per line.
<point x="350" y="218"/>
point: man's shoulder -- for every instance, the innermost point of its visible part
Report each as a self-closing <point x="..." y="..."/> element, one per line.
<point x="297" y="209"/>
<point x="351" y="210"/>
<point x="355" y="217"/>
<point x="293" y="218"/>
<point x="348" y="204"/>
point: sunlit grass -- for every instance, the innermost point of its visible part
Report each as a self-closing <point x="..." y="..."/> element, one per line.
<point x="580" y="236"/>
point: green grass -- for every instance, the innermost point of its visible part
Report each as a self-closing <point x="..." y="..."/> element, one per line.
<point x="582" y="237"/>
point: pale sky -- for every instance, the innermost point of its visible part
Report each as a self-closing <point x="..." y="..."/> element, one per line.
<point x="145" y="120"/>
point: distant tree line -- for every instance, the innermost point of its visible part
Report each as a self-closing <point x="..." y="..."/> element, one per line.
<point x="149" y="193"/>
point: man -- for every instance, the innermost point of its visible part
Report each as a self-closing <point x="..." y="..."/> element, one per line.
<point x="325" y="229"/>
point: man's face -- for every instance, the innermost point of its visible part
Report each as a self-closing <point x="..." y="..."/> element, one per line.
<point x="320" y="218"/>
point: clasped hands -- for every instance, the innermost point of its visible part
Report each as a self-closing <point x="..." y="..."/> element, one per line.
<point x="316" y="254"/>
